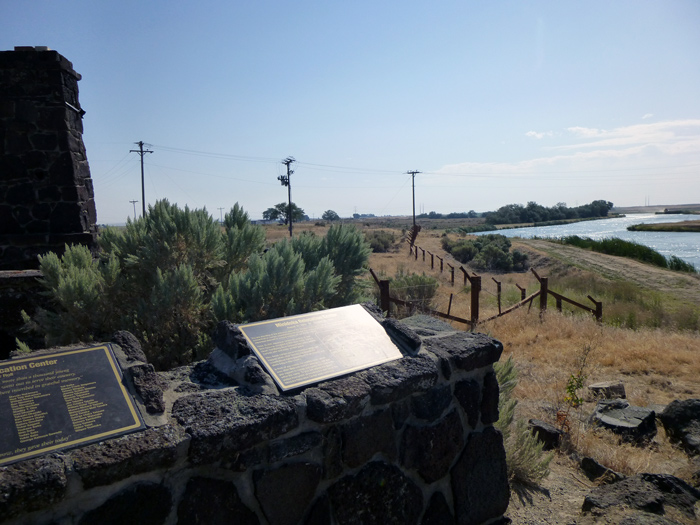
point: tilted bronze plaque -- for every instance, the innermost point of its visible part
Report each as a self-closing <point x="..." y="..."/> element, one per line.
<point x="308" y="348"/>
<point x="61" y="400"/>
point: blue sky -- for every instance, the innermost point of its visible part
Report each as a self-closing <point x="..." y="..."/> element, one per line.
<point x="494" y="102"/>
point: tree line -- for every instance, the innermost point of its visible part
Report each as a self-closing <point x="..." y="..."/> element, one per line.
<point x="533" y="212"/>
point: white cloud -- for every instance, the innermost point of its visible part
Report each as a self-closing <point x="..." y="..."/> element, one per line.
<point x="647" y="115"/>
<point x="539" y="135"/>
<point x="636" y="147"/>
<point x="657" y="134"/>
<point x="586" y="132"/>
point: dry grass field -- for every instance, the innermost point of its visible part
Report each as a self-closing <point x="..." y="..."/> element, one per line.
<point x="657" y="361"/>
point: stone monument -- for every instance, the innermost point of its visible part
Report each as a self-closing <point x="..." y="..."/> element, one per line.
<point x="46" y="194"/>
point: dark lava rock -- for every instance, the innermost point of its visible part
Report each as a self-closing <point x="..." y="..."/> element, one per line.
<point x="379" y="494"/>
<point x="148" y="387"/>
<point x="399" y="379"/>
<point x="285" y="493"/>
<point x="130" y="346"/>
<point x="608" y="390"/>
<point x="489" y="399"/>
<point x="226" y="422"/>
<point x="231" y="340"/>
<point x="431" y="450"/>
<point x="465" y="351"/>
<point x="402" y="336"/>
<point x="634" y="424"/>
<point x="480" y="479"/>
<point x="31" y="485"/>
<point x="363" y="437"/>
<point x="426" y="325"/>
<point x="214" y="502"/>
<point x="647" y="492"/>
<point x="468" y="393"/>
<point x="681" y="419"/>
<point x="115" y="459"/>
<point x="250" y="374"/>
<point x="432" y="404"/>
<point x="337" y="400"/>
<point x="140" y="503"/>
<point x="294" y="446"/>
<point x="548" y="434"/>
<point x="600" y="473"/>
<point x="438" y="511"/>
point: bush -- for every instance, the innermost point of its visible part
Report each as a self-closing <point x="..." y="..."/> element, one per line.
<point x="418" y="289"/>
<point x="276" y="285"/>
<point x="465" y="252"/>
<point x="491" y="257"/>
<point x="486" y="252"/>
<point x="168" y="276"/>
<point x="155" y="278"/>
<point x="633" y="250"/>
<point x="380" y="241"/>
<point x="82" y="291"/>
<point x="527" y="463"/>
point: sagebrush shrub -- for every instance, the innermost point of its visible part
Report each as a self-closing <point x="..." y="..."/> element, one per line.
<point x="380" y="241"/>
<point x="527" y="463"/>
<point x="169" y="276"/>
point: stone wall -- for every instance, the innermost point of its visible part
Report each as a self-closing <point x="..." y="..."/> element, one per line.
<point x="46" y="194"/>
<point x="411" y="441"/>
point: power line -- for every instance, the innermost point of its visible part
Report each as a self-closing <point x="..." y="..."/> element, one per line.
<point x="142" y="152"/>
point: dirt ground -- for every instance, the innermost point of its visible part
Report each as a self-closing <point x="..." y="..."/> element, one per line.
<point x="560" y="498"/>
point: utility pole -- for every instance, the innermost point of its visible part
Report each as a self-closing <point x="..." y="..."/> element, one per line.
<point x="284" y="179"/>
<point x="413" y="184"/>
<point x="221" y="213"/>
<point x="134" y="203"/>
<point x="141" y="152"/>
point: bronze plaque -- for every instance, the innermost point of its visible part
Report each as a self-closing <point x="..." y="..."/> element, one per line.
<point x="61" y="400"/>
<point x="308" y="348"/>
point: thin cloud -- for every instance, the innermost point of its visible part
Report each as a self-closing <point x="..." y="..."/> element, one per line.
<point x="637" y="147"/>
<point x="539" y="135"/>
<point x="647" y="115"/>
<point x="657" y="134"/>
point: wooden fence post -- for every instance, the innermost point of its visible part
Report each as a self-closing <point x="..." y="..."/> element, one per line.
<point x="432" y="261"/>
<point x="449" y="306"/>
<point x="416" y="253"/>
<point x="466" y="275"/>
<point x="384" y="300"/>
<point x="544" y="291"/>
<point x="441" y="261"/>
<point x="476" y="288"/>
<point x="423" y="254"/>
<point x="452" y="274"/>
<point x="598" y="309"/>
<point x="523" y="293"/>
<point x="498" y="288"/>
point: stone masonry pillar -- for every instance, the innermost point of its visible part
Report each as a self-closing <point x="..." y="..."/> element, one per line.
<point x="46" y="194"/>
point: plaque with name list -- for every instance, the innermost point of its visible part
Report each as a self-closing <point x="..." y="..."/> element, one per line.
<point x="303" y="349"/>
<point x="61" y="400"/>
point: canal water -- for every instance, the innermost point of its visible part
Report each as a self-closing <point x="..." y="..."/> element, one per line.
<point x="683" y="245"/>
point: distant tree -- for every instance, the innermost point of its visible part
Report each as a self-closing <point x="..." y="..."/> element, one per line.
<point x="330" y="215"/>
<point x="281" y="212"/>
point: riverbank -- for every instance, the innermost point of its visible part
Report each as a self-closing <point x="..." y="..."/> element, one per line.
<point x="684" y="226"/>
